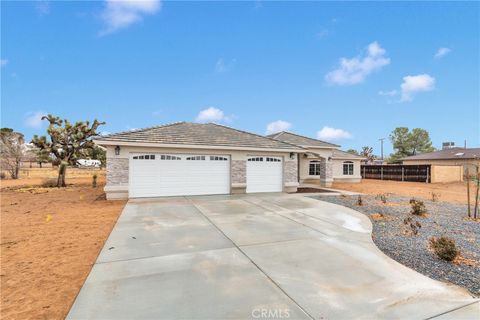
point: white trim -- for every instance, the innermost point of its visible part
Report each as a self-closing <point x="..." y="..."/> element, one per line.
<point x="189" y="146"/>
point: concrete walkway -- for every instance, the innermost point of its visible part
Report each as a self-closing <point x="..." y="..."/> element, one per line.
<point x="262" y="256"/>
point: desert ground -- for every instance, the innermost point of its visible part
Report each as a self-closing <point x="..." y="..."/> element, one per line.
<point x="447" y="192"/>
<point x="50" y="238"/>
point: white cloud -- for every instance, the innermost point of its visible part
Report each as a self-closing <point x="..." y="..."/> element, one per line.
<point x="441" y="52"/>
<point x="33" y="119"/>
<point x="119" y="14"/>
<point x="390" y="93"/>
<point x="278" y="126"/>
<point x="222" y="66"/>
<point x="42" y="7"/>
<point x="212" y="114"/>
<point x="331" y="134"/>
<point x="355" y="70"/>
<point x="3" y="62"/>
<point x="414" y="84"/>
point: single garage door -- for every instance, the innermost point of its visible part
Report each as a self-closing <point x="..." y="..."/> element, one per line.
<point x="156" y="175"/>
<point x="264" y="174"/>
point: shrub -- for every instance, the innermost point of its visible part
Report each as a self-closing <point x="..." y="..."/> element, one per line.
<point x="418" y="207"/>
<point x="435" y="196"/>
<point x="359" y="201"/>
<point x="444" y="247"/>
<point x="2" y="175"/>
<point x="94" y="180"/>
<point x="49" y="183"/>
<point x="383" y="198"/>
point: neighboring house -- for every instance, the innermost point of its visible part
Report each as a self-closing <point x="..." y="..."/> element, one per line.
<point x="322" y="161"/>
<point x="466" y="157"/>
<point x="196" y="159"/>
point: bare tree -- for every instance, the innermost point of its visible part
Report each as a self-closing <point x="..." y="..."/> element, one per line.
<point x="12" y="150"/>
<point x="66" y="140"/>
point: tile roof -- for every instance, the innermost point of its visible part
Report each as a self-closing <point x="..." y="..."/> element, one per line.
<point x="339" y="154"/>
<point x="301" y="140"/>
<point x="203" y="134"/>
<point x="448" y="154"/>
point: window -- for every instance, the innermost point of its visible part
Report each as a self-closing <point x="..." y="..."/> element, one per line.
<point x="196" y="158"/>
<point x="273" y="160"/>
<point x="145" y="157"/>
<point x="348" y="168"/>
<point x="314" y="168"/>
<point x="256" y="159"/>
<point x="169" y="157"/>
<point x="217" y="158"/>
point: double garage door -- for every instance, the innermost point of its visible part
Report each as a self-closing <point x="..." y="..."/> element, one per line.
<point x="155" y="174"/>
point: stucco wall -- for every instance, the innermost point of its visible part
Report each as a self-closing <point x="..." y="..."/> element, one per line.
<point x="446" y="173"/>
<point x="117" y="167"/>
<point x="338" y="171"/>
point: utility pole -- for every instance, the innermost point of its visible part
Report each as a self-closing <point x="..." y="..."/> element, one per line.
<point x="381" y="141"/>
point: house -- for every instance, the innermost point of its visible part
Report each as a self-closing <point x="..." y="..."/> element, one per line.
<point x="198" y="159"/>
<point x="322" y="162"/>
<point x="468" y="158"/>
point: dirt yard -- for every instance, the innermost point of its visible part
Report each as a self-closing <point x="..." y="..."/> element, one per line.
<point x="448" y="192"/>
<point x="50" y="239"/>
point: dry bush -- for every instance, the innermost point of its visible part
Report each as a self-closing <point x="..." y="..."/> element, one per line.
<point x="435" y="196"/>
<point x="359" y="201"/>
<point x="444" y="247"/>
<point x="49" y="183"/>
<point x="418" y="207"/>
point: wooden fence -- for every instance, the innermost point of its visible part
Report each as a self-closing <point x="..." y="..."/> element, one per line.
<point x="417" y="173"/>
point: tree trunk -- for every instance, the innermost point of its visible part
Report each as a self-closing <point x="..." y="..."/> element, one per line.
<point x="468" y="191"/>
<point x="62" y="170"/>
<point x="17" y="169"/>
<point x="476" y="196"/>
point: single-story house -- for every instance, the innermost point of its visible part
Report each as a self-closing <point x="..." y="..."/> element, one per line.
<point x="468" y="158"/>
<point x="322" y="161"/>
<point x="198" y="159"/>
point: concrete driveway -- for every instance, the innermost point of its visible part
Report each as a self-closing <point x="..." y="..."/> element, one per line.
<point x="274" y="256"/>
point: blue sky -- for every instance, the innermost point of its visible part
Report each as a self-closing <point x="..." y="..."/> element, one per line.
<point x="341" y="71"/>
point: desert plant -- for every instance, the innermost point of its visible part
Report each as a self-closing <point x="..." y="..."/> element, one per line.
<point x="359" y="201"/>
<point x="12" y="150"/>
<point x="418" y="207"/>
<point x="49" y="183"/>
<point x="383" y="198"/>
<point x="2" y="175"/>
<point x="444" y="247"/>
<point x="94" y="180"/>
<point x="412" y="224"/>
<point x="435" y="196"/>
<point x="66" y="141"/>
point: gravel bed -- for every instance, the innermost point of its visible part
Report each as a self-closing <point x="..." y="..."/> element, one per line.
<point x="396" y="240"/>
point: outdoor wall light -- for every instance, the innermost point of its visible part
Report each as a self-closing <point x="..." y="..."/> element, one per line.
<point x="292" y="155"/>
<point x="117" y="150"/>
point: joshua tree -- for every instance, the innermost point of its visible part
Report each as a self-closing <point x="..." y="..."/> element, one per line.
<point x="12" y="150"/>
<point x="367" y="152"/>
<point x="66" y="140"/>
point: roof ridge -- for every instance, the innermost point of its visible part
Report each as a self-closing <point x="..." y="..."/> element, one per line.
<point x="298" y="135"/>
<point x="254" y="134"/>
<point x="142" y="129"/>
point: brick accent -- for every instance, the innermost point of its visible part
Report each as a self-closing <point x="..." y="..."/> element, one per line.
<point x="117" y="171"/>
<point x="290" y="170"/>
<point x="239" y="171"/>
<point x="329" y="170"/>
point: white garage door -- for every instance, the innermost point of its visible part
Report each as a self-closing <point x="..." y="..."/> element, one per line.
<point x="264" y="174"/>
<point x="155" y="175"/>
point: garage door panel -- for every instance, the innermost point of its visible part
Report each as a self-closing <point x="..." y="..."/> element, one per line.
<point x="162" y="177"/>
<point x="264" y="174"/>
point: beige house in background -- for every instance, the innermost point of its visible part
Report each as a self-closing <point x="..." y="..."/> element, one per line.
<point x="466" y="157"/>
<point x="322" y="162"/>
<point x="449" y="164"/>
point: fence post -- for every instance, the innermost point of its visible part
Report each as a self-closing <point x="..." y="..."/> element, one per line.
<point x="381" y="173"/>
<point x="364" y="172"/>
<point x="403" y="173"/>
<point x="428" y="174"/>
